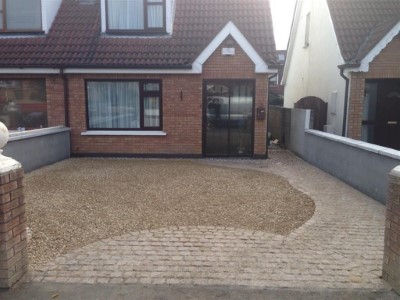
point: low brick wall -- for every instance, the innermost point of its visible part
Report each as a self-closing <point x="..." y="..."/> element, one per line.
<point x="13" y="235"/>
<point x="391" y="262"/>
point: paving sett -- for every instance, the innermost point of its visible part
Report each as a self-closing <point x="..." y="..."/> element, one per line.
<point x="340" y="247"/>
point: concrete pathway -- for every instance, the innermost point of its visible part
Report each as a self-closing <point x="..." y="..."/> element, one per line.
<point x="341" y="247"/>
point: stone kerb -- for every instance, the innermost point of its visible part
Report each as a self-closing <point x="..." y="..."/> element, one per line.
<point x="13" y="235"/>
<point x="391" y="263"/>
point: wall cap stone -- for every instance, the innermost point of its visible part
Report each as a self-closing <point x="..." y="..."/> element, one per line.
<point x="20" y="135"/>
<point x="395" y="172"/>
<point x="380" y="150"/>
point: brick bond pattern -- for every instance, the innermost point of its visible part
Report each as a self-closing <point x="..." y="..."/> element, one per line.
<point x="182" y="117"/>
<point x="384" y="66"/>
<point x="13" y="236"/>
<point x="391" y="263"/>
<point x="340" y="247"/>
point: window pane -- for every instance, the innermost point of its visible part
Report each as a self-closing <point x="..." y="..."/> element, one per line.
<point x="125" y="14"/>
<point x="155" y="16"/>
<point x="114" y="105"/>
<point x="24" y="15"/>
<point x="150" y="87"/>
<point x="151" y="112"/>
<point x="23" y="103"/>
<point x="1" y="20"/>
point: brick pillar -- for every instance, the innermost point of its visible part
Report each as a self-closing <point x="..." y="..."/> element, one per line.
<point x="13" y="236"/>
<point x="391" y="263"/>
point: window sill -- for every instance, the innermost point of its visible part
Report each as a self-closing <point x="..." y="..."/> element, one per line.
<point x="122" y="133"/>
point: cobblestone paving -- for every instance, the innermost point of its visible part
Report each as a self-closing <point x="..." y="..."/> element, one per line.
<point x="341" y="246"/>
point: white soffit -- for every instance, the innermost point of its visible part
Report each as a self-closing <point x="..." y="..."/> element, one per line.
<point x="364" y="65"/>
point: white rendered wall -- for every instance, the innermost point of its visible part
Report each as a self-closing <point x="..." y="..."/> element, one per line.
<point x="314" y="70"/>
<point x="49" y="12"/>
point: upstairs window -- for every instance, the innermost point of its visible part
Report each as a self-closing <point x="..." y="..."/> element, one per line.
<point x="20" y="16"/>
<point x="136" y="16"/>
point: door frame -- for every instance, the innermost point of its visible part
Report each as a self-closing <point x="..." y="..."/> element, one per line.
<point x="229" y="83"/>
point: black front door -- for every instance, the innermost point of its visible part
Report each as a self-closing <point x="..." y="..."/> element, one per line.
<point x="387" y="131"/>
<point x="228" y="118"/>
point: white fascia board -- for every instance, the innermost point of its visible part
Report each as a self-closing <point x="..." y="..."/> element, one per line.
<point x="292" y="38"/>
<point x="364" y="65"/>
<point x="29" y="71"/>
<point x="231" y="29"/>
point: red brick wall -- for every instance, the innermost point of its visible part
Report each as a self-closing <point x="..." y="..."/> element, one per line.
<point x="182" y="118"/>
<point x="385" y="65"/>
<point x="391" y="260"/>
<point x="13" y="235"/>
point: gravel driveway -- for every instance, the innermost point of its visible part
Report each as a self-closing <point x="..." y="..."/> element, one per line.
<point x="80" y="201"/>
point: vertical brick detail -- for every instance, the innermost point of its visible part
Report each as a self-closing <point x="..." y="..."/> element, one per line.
<point x="384" y="66"/>
<point x="391" y="262"/>
<point x="13" y="237"/>
<point x="356" y="106"/>
<point x="55" y="100"/>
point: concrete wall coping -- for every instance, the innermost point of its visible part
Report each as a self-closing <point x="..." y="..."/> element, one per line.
<point x="20" y="135"/>
<point x="396" y="171"/>
<point x="357" y="144"/>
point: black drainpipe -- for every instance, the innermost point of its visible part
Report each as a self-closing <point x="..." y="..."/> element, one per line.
<point x="269" y="84"/>
<point x="346" y="101"/>
<point x="66" y="97"/>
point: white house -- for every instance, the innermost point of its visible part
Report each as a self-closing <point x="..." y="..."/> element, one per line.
<point x="347" y="53"/>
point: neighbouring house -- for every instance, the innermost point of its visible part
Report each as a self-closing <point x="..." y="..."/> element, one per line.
<point x="140" y="77"/>
<point x="347" y="53"/>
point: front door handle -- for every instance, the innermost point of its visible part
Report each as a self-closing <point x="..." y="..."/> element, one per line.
<point x="392" y="122"/>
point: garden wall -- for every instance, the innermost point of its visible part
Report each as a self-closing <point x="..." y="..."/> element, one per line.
<point x="362" y="165"/>
<point x="37" y="148"/>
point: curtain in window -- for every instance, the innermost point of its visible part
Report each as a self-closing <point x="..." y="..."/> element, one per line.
<point x="155" y="16"/>
<point x="125" y="14"/>
<point x="114" y="105"/>
<point x="24" y="14"/>
<point x="151" y="112"/>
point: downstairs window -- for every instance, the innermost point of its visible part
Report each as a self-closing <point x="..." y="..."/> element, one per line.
<point x="124" y="105"/>
<point x="23" y="104"/>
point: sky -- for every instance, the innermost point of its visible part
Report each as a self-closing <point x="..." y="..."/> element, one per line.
<point x="282" y="14"/>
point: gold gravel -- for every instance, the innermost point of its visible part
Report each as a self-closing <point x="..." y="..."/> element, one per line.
<point x="80" y="201"/>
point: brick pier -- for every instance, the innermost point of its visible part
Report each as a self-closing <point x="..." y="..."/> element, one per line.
<point x="391" y="263"/>
<point x="13" y="235"/>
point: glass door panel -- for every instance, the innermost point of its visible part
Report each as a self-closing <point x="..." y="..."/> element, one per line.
<point x="241" y="120"/>
<point x="229" y="119"/>
<point x="217" y="117"/>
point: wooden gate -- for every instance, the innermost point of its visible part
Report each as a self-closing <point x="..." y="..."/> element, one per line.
<point x="319" y="108"/>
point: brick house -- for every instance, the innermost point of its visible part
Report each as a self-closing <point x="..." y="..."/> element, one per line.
<point x="347" y="53"/>
<point x="140" y="77"/>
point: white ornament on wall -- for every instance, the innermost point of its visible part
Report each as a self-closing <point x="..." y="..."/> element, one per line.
<point x="6" y="163"/>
